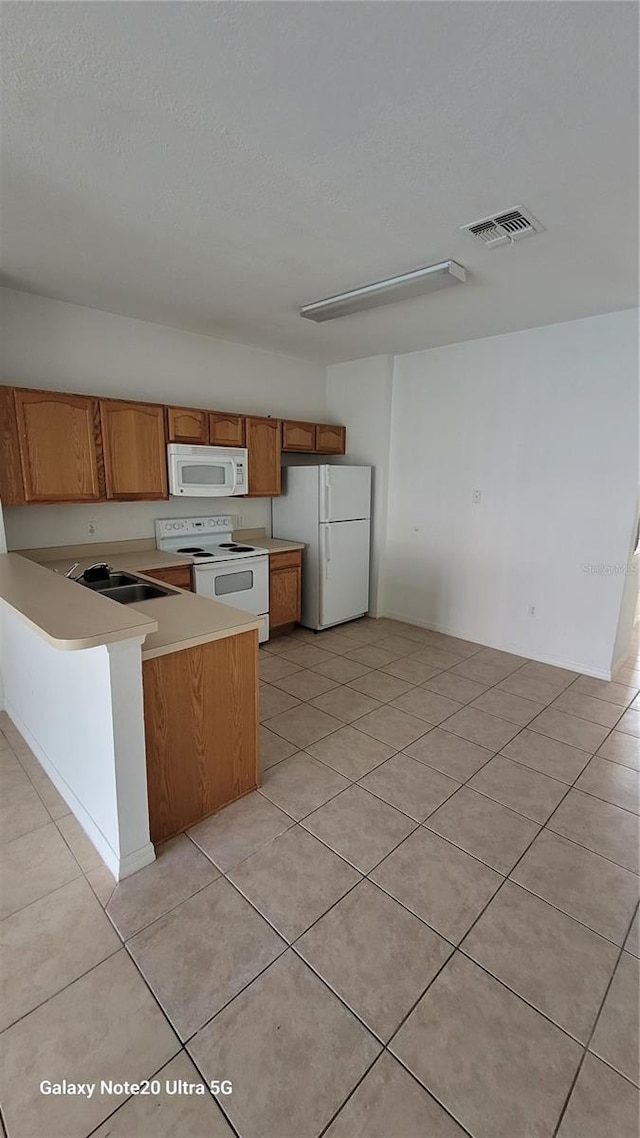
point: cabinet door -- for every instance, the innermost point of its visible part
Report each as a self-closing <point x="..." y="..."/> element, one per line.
<point x="57" y="438"/>
<point x="330" y="438"/>
<point x="298" y="436"/>
<point x="135" y="453"/>
<point x="284" y="596"/>
<point x="11" y="485"/>
<point x="178" y="575"/>
<point x="226" y="430"/>
<point x="263" y="444"/>
<point x="188" y="425"/>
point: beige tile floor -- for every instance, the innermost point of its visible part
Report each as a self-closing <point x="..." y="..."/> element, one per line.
<point x="424" y="924"/>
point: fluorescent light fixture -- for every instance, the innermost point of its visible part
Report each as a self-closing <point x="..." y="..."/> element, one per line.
<point x="388" y="291"/>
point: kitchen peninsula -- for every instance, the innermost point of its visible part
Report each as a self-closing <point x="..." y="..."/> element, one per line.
<point x="144" y="716"/>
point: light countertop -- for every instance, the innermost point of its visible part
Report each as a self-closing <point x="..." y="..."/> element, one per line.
<point x="134" y="561"/>
<point x="71" y="617"/>
<point x="65" y="613"/>
<point x="272" y="544"/>
<point x="277" y="545"/>
<point x="185" y="620"/>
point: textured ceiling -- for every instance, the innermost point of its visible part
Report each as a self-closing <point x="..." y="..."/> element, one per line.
<point x="212" y="166"/>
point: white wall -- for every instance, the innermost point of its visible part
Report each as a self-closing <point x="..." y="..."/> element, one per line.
<point x="81" y="713"/>
<point x="50" y="344"/>
<point x="359" y="394"/>
<point x="544" y="423"/>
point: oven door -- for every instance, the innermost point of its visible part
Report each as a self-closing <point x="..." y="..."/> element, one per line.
<point x="202" y="477"/>
<point x="242" y="583"/>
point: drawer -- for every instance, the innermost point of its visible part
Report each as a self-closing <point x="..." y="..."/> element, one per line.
<point x="287" y="559"/>
<point x="178" y="575"/>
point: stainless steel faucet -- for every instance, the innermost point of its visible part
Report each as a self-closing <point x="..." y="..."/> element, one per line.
<point x="96" y="565"/>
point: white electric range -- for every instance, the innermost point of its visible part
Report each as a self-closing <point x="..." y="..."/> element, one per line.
<point x="224" y="570"/>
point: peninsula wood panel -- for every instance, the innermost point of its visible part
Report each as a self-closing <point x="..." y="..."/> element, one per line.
<point x="188" y="425"/>
<point x="226" y="430"/>
<point x="285" y="588"/>
<point x="11" y="486"/>
<point x="135" y="453"/>
<point x="263" y="439"/>
<point x="201" y="727"/>
<point x="178" y="575"/>
<point x="57" y="436"/>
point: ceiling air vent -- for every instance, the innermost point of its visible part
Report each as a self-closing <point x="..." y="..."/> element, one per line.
<point x="509" y="226"/>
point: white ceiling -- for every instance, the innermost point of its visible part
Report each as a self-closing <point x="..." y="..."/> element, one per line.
<point x="212" y="166"/>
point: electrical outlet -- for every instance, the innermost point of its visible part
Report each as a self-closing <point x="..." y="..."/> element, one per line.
<point x="239" y="521"/>
<point x="532" y="610"/>
<point x="476" y="497"/>
<point x="91" y="529"/>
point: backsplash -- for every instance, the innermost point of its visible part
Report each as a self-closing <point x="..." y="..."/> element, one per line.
<point x="31" y="527"/>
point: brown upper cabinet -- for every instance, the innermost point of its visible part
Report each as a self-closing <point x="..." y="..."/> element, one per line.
<point x="330" y="438"/>
<point x="313" y="438"/>
<point x="263" y="445"/>
<point x="11" y="481"/>
<point x="59" y="447"/>
<point x="226" y="430"/>
<point x="135" y="453"/>
<point x="298" y="436"/>
<point x="57" y="436"/>
<point x="187" y="425"/>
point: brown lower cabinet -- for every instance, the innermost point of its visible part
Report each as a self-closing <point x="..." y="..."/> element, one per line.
<point x="285" y="588"/>
<point x="201" y="730"/>
<point x="178" y="575"/>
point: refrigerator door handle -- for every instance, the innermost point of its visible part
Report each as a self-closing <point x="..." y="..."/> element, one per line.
<point x="327" y="494"/>
<point x="327" y="550"/>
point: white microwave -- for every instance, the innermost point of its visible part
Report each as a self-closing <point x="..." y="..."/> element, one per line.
<point x="207" y="472"/>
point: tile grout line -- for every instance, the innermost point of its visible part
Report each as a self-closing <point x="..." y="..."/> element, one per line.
<point x="155" y="1074"/>
<point x="585" y="1050"/>
<point x="454" y="947"/>
<point x="297" y="822"/>
<point x="525" y="727"/>
<point x="508" y="877"/>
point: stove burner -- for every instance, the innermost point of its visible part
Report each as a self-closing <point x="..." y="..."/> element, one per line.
<point x="203" y="553"/>
<point x="191" y="549"/>
<point x="236" y="548"/>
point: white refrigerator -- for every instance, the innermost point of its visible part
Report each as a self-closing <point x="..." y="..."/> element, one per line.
<point x="329" y="509"/>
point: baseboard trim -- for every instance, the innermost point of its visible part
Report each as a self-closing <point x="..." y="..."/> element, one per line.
<point x="120" y="866"/>
<point x="505" y="646"/>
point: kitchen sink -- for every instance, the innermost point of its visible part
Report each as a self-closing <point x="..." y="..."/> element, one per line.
<point x="127" y="588"/>
<point x="140" y="591"/>
<point x="114" y="580"/>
